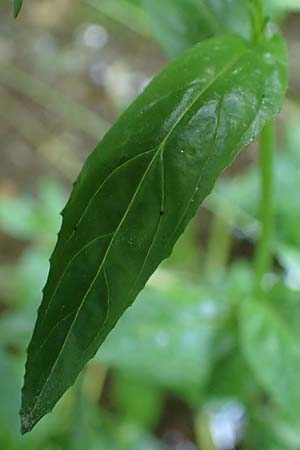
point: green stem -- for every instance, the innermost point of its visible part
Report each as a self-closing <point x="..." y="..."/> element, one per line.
<point x="204" y="438"/>
<point x="257" y="18"/>
<point x="218" y="246"/>
<point x="70" y="110"/>
<point x="263" y="252"/>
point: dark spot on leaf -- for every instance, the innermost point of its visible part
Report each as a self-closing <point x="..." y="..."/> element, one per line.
<point x="161" y="213"/>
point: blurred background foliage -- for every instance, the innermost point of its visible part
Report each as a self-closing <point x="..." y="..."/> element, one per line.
<point x="193" y="364"/>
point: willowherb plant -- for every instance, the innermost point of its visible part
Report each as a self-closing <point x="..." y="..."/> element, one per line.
<point x="146" y="179"/>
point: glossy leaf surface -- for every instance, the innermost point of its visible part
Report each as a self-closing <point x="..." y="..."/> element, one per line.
<point x="272" y="351"/>
<point x="179" y="24"/>
<point x="135" y="195"/>
<point x="17" y="7"/>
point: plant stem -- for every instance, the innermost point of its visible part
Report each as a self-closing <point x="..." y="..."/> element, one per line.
<point x="203" y="434"/>
<point x="257" y="18"/>
<point x="263" y="252"/>
<point x="218" y="246"/>
<point x="76" y="115"/>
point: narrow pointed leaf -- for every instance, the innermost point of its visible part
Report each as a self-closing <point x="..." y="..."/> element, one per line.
<point x="179" y="24"/>
<point x="17" y="7"/>
<point x="135" y="195"/>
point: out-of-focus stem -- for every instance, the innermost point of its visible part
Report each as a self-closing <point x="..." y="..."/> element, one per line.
<point x="77" y="115"/>
<point x="263" y="252"/>
<point x="203" y="434"/>
<point x="218" y="246"/>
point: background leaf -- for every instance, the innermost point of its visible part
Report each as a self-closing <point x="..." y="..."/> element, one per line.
<point x="135" y="195"/>
<point x="278" y="8"/>
<point x="179" y="24"/>
<point x="169" y="339"/>
<point x="272" y="351"/>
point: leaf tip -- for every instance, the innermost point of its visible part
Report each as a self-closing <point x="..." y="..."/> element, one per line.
<point x="26" y="423"/>
<point x="17" y="7"/>
<point x="27" y="419"/>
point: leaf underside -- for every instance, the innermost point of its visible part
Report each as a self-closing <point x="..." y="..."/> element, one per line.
<point x="135" y="195"/>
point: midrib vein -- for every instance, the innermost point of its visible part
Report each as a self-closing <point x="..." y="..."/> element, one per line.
<point x="93" y="281"/>
<point x="160" y="149"/>
<point x="147" y="254"/>
<point x="78" y="223"/>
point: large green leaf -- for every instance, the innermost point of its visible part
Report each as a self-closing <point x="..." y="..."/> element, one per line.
<point x="272" y="351"/>
<point x="178" y="24"/>
<point x="135" y="195"/>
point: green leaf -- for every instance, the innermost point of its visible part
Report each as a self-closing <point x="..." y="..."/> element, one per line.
<point x="17" y="7"/>
<point x="269" y="429"/>
<point x="272" y="351"/>
<point x="179" y="24"/>
<point x="136" y="194"/>
<point x="170" y="340"/>
<point x="278" y="8"/>
<point x="259" y="434"/>
<point x="137" y="400"/>
<point x="236" y="380"/>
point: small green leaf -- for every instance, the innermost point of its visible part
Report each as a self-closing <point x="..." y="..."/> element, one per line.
<point x="278" y="8"/>
<point x="236" y="380"/>
<point x="136" y="399"/>
<point x="169" y="340"/>
<point x="179" y="24"/>
<point x="136" y="194"/>
<point x="260" y="432"/>
<point x="272" y="351"/>
<point x="17" y="7"/>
